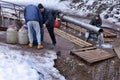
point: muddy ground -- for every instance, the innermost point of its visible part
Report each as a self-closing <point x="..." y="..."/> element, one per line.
<point x="72" y="67"/>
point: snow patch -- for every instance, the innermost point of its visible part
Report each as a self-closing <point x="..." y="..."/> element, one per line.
<point x="15" y="66"/>
<point x="90" y="2"/>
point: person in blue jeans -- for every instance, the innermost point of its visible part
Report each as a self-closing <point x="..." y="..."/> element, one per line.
<point x="33" y="19"/>
<point x="95" y="21"/>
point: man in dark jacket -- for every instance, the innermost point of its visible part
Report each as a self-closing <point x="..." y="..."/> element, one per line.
<point x="33" y="20"/>
<point x="48" y="21"/>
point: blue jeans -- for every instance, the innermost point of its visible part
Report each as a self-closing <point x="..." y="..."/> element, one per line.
<point x="34" y="36"/>
<point x="34" y="27"/>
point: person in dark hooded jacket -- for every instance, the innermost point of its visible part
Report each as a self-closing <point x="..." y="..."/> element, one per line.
<point x="95" y="21"/>
<point x="48" y="21"/>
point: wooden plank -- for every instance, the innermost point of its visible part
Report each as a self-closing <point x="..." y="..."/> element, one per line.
<point x="95" y="55"/>
<point x="108" y="40"/>
<point x="83" y="49"/>
<point x="109" y="34"/>
<point x="66" y="35"/>
<point x="72" y="38"/>
<point x="117" y="51"/>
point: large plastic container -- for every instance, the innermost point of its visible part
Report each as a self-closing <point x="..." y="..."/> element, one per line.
<point x="23" y="36"/>
<point x="11" y="35"/>
<point x="57" y="24"/>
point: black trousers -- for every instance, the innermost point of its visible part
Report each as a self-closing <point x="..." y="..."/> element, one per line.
<point x="51" y="33"/>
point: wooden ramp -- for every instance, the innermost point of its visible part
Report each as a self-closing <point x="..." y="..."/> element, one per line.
<point x="117" y="51"/>
<point x="92" y="54"/>
<point x="72" y="38"/>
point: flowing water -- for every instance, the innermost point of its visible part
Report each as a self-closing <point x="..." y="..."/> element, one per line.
<point x="101" y="42"/>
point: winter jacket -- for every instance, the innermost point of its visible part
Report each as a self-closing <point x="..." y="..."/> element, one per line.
<point x="96" y="22"/>
<point x="32" y="13"/>
<point x="49" y="17"/>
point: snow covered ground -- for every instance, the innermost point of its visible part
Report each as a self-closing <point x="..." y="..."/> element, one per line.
<point x="109" y="8"/>
<point x="54" y="4"/>
<point x="16" y="66"/>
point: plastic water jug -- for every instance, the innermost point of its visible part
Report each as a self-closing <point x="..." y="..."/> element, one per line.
<point x="11" y="35"/>
<point x="23" y="36"/>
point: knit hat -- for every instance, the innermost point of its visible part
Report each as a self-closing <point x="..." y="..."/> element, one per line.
<point x="40" y="6"/>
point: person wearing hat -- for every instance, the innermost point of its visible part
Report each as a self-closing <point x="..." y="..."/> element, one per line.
<point x="48" y="21"/>
<point x="33" y="19"/>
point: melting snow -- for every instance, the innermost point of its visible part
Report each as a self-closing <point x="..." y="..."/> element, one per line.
<point x="15" y="66"/>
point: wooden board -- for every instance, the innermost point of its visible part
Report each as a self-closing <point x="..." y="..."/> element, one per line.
<point x="72" y="38"/>
<point x="108" y="40"/>
<point x="108" y="34"/>
<point x="94" y="55"/>
<point x="84" y="49"/>
<point x="117" y="51"/>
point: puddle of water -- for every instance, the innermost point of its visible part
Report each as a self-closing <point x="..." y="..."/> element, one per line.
<point x="105" y="45"/>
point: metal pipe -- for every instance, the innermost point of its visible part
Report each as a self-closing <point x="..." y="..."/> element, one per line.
<point x="81" y="24"/>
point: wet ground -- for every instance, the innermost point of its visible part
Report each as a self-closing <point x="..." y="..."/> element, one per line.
<point x="72" y="67"/>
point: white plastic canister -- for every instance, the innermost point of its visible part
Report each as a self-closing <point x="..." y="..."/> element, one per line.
<point x="11" y="35"/>
<point x="23" y="36"/>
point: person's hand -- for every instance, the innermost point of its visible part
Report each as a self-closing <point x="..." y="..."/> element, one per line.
<point x="57" y="19"/>
<point x="44" y="25"/>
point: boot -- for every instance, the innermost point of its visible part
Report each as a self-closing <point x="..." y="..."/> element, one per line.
<point x="39" y="46"/>
<point x="30" y="44"/>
